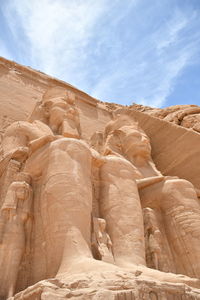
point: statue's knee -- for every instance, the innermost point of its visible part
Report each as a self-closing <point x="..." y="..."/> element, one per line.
<point x="178" y="192"/>
<point x="172" y="185"/>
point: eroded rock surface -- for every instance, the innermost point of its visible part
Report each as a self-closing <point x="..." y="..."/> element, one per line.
<point x="187" y="116"/>
<point x="92" y="202"/>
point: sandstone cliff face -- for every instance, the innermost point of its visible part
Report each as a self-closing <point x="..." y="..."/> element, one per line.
<point x="187" y="116"/>
<point x="97" y="200"/>
<point x="21" y="92"/>
<point x="21" y="88"/>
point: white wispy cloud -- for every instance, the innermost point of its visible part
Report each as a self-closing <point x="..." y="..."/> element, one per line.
<point x="150" y="72"/>
<point x="57" y="32"/>
<point x="120" y="51"/>
<point x="175" y="52"/>
<point x="170" y="33"/>
<point x="166" y="83"/>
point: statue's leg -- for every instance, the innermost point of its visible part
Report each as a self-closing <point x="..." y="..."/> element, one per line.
<point x="120" y="206"/>
<point x="11" y="252"/>
<point x="181" y="212"/>
<point x="64" y="169"/>
<point x="66" y="199"/>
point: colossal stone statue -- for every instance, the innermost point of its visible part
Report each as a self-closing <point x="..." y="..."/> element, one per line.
<point x="121" y="208"/>
<point x="15" y="231"/>
<point x="77" y="183"/>
<point x="175" y="200"/>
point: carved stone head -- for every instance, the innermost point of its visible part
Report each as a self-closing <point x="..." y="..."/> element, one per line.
<point x="102" y="224"/>
<point x="125" y="137"/>
<point x="59" y="104"/>
<point x="58" y="96"/>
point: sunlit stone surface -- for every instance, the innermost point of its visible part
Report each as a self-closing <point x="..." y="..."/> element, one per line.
<point x="98" y="201"/>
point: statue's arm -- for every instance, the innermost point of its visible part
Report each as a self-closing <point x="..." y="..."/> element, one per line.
<point x="145" y="182"/>
<point x="41" y="141"/>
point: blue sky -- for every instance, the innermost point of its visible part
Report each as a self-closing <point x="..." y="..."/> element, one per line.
<point x="123" y="51"/>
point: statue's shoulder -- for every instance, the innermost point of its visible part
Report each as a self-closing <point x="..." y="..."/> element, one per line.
<point x="42" y="126"/>
<point x="17" y="127"/>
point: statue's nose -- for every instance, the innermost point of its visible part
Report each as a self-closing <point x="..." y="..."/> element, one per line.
<point x="144" y="140"/>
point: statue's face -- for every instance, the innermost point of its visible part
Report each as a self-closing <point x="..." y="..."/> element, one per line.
<point x="102" y="224"/>
<point x="59" y="102"/>
<point x="53" y="102"/>
<point x="57" y="108"/>
<point x="136" y="143"/>
<point x="20" y="193"/>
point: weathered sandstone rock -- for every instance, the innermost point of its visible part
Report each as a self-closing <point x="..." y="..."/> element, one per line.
<point x="97" y="201"/>
<point x="187" y="116"/>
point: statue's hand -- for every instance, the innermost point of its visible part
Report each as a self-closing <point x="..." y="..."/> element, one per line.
<point x="20" y="153"/>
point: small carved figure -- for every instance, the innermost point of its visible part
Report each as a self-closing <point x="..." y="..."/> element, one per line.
<point x="101" y="241"/>
<point x="153" y="240"/>
<point x="155" y="247"/>
<point x="15" y="231"/>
